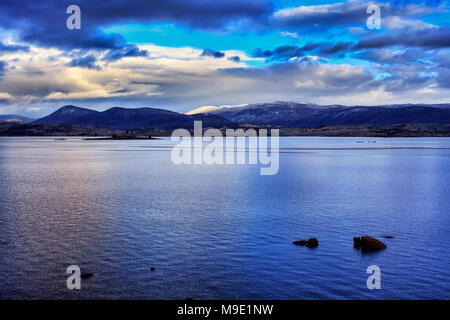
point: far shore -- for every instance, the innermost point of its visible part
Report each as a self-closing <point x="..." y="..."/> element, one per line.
<point x="368" y="131"/>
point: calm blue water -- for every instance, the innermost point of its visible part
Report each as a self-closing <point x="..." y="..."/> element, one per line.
<point x="117" y="208"/>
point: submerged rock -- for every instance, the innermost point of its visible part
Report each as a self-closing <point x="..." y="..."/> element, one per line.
<point x="388" y="237"/>
<point x="152" y="268"/>
<point x="310" y="243"/>
<point x="368" y="244"/>
<point x="87" y="275"/>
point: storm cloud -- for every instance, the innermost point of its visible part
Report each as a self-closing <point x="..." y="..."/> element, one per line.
<point x="44" y="23"/>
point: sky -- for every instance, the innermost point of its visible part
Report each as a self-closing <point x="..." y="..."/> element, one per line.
<point x="180" y="55"/>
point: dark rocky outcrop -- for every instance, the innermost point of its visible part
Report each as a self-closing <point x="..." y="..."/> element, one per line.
<point x="87" y="275"/>
<point x="368" y="244"/>
<point x="310" y="243"/>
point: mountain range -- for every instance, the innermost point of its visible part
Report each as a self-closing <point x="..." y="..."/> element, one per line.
<point x="276" y="114"/>
<point x="305" y="115"/>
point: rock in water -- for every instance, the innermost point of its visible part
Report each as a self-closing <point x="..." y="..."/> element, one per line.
<point x="310" y="243"/>
<point x="87" y="275"/>
<point x="368" y="244"/>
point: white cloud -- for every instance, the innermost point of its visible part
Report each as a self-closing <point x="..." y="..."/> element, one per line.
<point x="353" y="12"/>
<point x="5" y="96"/>
<point x="290" y="35"/>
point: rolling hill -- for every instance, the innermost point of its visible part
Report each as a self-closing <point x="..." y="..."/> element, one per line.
<point x="129" y="119"/>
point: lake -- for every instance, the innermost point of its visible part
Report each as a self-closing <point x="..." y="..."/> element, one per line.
<point x="119" y="208"/>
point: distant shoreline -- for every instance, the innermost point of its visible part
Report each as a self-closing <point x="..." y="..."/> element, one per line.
<point x="369" y="131"/>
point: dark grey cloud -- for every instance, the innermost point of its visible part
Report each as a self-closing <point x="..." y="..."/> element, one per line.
<point x="62" y="38"/>
<point x="280" y="53"/>
<point x="84" y="62"/>
<point x="332" y="49"/>
<point x="434" y="38"/>
<point x="344" y="13"/>
<point x="373" y="48"/>
<point x="310" y="46"/>
<point x="235" y="59"/>
<point x="44" y="22"/>
<point x="126" y="51"/>
<point x="287" y="52"/>
<point x="212" y="53"/>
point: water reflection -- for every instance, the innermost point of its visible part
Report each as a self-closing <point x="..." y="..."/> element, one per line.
<point x="222" y="231"/>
